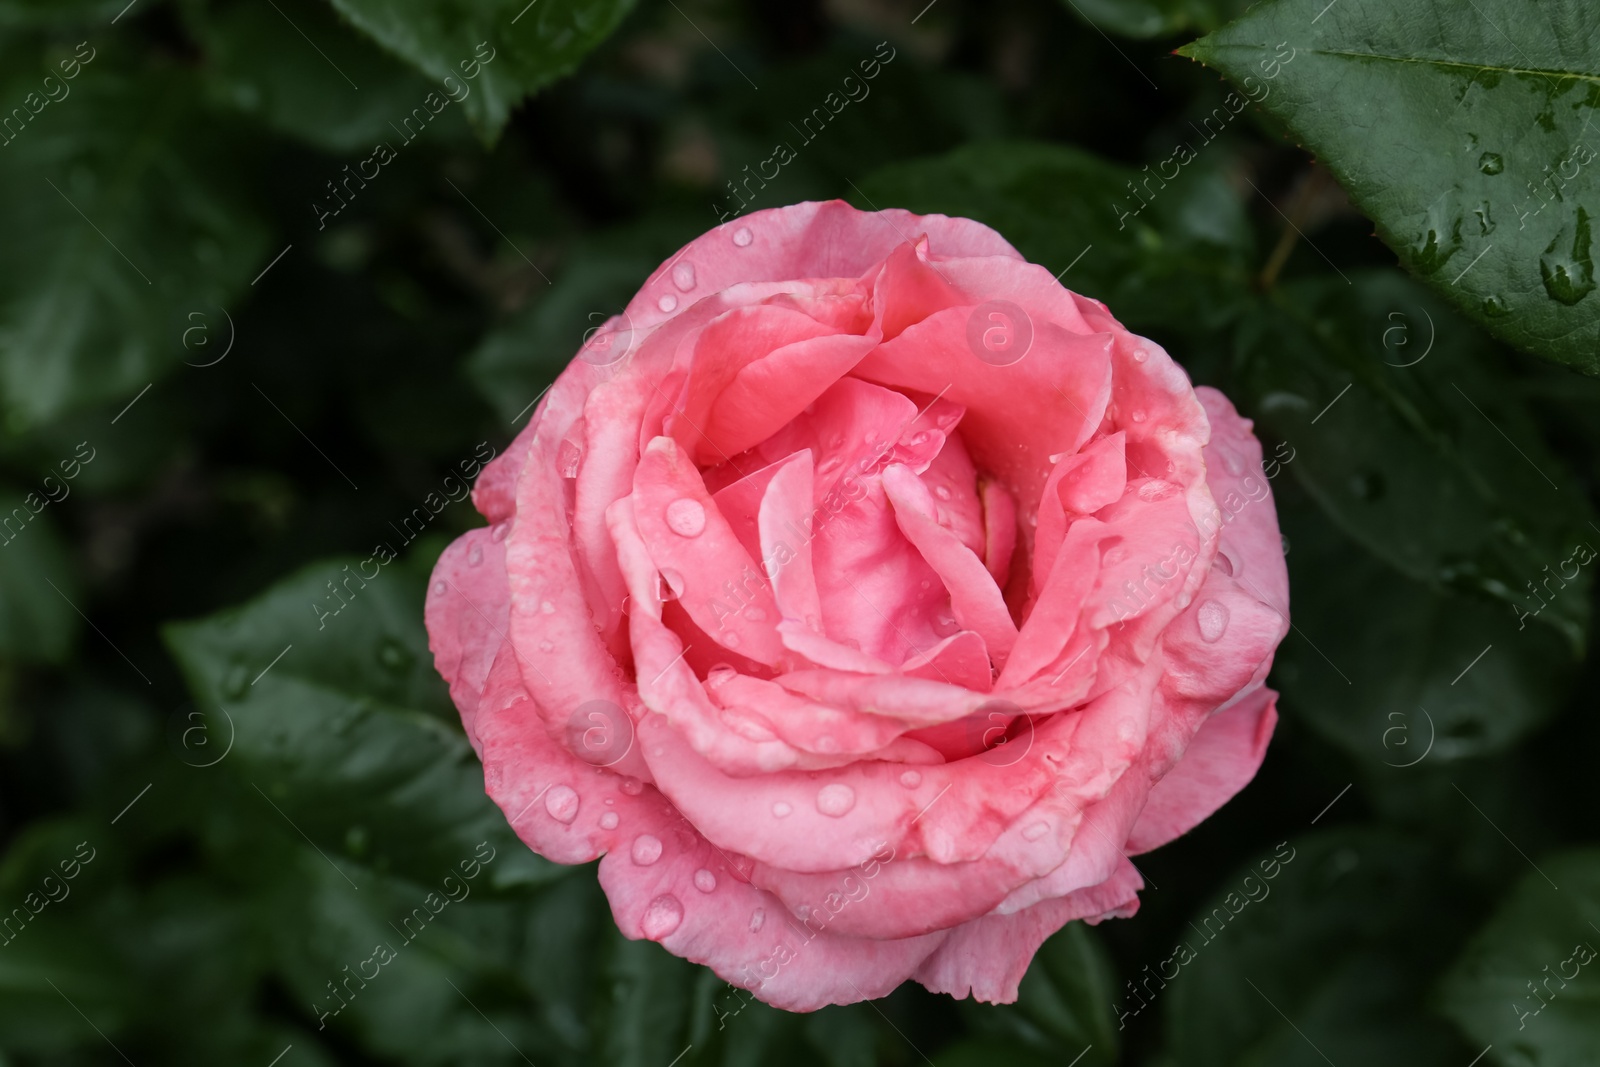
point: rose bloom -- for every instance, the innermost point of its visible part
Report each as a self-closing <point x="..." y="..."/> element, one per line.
<point x="864" y="599"/>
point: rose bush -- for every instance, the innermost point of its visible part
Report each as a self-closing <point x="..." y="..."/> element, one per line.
<point x="864" y="598"/>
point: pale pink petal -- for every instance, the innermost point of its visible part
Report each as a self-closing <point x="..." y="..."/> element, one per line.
<point x="974" y="597"/>
<point x="1018" y="415"/>
<point x="999" y="529"/>
<point x="1221" y="760"/>
<point x="986" y="958"/>
<point x="723" y="589"/>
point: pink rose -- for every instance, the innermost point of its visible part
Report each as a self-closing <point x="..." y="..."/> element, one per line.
<point x="865" y="599"/>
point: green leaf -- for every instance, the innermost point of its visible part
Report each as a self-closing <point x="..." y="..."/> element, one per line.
<point x="1184" y="264"/>
<point x="1528" y="983"/>
<point x="1157" y="18"/>
<point x="407" y="973"/>
<point x="342" y="725"/>
<point x="58" y="12"/>
<point x="120" y="220"/>
<point x="1463" y="133"/>
<point x="511" y="48"/>
<point x="1064" y="1002"/>
<point x="514" y="363"/>
<point x="644" y="1004"/>
<point x="297" y="65"/>
<point x="1315" y="953"/>
<point x="1423" y="674"/>
<point x="45" y="955"/>
<point x="37" y="621"/>
<point x="1398" y="419"/>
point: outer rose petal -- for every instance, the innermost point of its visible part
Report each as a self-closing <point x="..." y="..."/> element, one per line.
<point x="1219" y="762"/>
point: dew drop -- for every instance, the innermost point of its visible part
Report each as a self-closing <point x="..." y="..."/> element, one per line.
<point x="1566" y="267"/>
<point x="663" y="916"/>
<point x="547" y="607"/>
<point x="683" y="276"/>
<point x="1213" y="619"/>
<point x="1495" y="307"/>
<point x="632" y="786"/>
<point x="547" y="646"/>
<point x="646" y="849"/>
<point x="911" y="779"/>
<point x="836" y="799"/>
<point x="943" y="492"/>
<point x="439" y="588"/>
<point x="568" y="457"/>
<point x="1140" y="355"/>
<point x="562" y="803"/>
<point x="1036" y="831"/>
<point x="609" y="820"/>
<point x="1223" y="563"/>
<point x="742" y="237"/>
<point x="475" y="556"/>
<point x="667" y="303"/>
<point x="704" y="880"/>
<point x="1138" y="415"/>
<point x="685" y="517"/>
<point x="1491" y="163"/>
<point x="758" y="919"/>
<point x="498" y="531"/>
<point x="782" y="809"/>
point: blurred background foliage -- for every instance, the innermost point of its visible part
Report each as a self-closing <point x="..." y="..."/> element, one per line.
<point x="225" y="382"/>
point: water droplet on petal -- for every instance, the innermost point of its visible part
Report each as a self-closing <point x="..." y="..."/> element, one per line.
<point x="609" y="820"/>
<point x="670" y="587"/>
<point x="742" y="237"/>
<point x="475" y="555"/>
<point x="646" y="849"/>
<point x="781" y="809"/>
<point x="1140" y="355"/>
<point x="911" y="779"/>
<point x="835" y="799"/>
<point x="632" y="786"/>
<point x="562" y="803"/>
<point x="569" y="455"/>
<point x="547" y="607"/>
<point x="667" y="303"/>
<point x="498" y="531"/>
<point x="704" y="880"/>
<point x="685" y="517"/>
<point x="1138" y="415"/>
<point x="547" y="646"/>
<point x="439" y="588"/>
<point x="663" y="916"/>
<point x="683" y="276"/>
<point x="1213" y="619"/>
<point x="943" y="492"/>
<point x="1223" y="563"/>
<point x="758" y="919"/>
<point x="1036" y="831"/>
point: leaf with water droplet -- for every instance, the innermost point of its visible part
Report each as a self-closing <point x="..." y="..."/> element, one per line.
<point x="1418" y="109"/>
